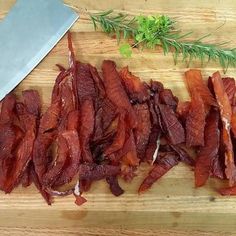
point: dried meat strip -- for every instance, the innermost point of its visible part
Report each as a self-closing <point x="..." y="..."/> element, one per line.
<point x="94" y="172"/>
<point x="62" y="154"/>
<point x="10" y="136"/>
<point x="173" y="127"/>
<point x="46" y="134"/>
<point x="26" y="178"/>
<point x="7" y="109"/>
<point x="105" y="115"/>
<point x="36" y="181"/>
<point x="153" y="144"/>
<point x="135" y="88"/>
<point x="73" y="143"/>
<point x="166" y="97"/>
<point x="183" y="109"/>
<point x="119" y="139"/>
<point x="129" y="148"/>
<point x="72" y="168"/>
<point x="217" y="167"/>
<point x="228" y="191"/>
<point x="183" y="155"/>
<point x="73" y="120"/>
<point x="116" y="93"/>
<point x="163" y="165"/>
<point x="98" y="81"/>
<point x="114" y="186"/>
<point x="86" y="128"/>
<point x="233" y="119"/>
<point x="230" y="89"/>
<point x="23" y="153"/>
<point x="7" y="143"/>
<point x="85" y="83"/>
<point x="143" y="129"/>
<point x="195" y="122"/>
<point x="209" y="151"/>
<point x="156" y="86"/>
<point x="50" y="119"/>
<point x="226" y="114"/>
<point x="56" y="88"/>
<point x="196" y="84"/>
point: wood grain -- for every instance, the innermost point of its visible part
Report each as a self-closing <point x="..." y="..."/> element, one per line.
<point x="173" y="206"/>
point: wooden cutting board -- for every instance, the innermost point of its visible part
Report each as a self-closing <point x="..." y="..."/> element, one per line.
<point x="173" y="206"/>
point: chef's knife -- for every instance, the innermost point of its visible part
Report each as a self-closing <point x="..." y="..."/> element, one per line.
<point x="29" y="31"/>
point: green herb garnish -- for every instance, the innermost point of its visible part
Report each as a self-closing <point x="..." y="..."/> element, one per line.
<point x="153" y="31"/>
<point x="125" y="50"/>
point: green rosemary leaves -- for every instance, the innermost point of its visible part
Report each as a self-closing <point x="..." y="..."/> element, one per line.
<point x="153" y="31"/>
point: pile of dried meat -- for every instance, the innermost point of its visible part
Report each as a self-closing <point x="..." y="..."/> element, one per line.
<point x="102" y="126"/>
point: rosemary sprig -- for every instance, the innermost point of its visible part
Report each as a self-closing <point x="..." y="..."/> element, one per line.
<point x="115" y="24"/>
<point x="153" y="31"/>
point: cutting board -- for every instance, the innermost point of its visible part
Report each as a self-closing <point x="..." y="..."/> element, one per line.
<point x="173" y="206"/>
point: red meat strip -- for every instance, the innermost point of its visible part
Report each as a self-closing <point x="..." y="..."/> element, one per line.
<point x="195" y="122"/>
<point x="209" y="151"/>
<point x="48" y="123"/>
<point x="10" y="135"/>
<point x="114" y="186"/>
<point x="119" y="139"/>
<point x="183" y="109"/>
<point x="174" y="129"/>
<point x="50" y="118"/>
<point x="7" y="143"/>
<point x="67" y="104"/>
<point x="164" y="164"/>
<point x="228" y="191"/>
<point x="7" y="109"/>
<point x="143" y="129"/>
<point x="98" y="81"/>
<point x="130" y="159"/>
<point x="40" y="153"/>
<point x="183" y="155"/>
<point x="32" y="102"/>
<point x="196" y="84"/>
<point x="105" y="115"/>
<point x="166" y="97"/>
<point x="38" y="185"/>
<point x="135" y="88"/>
<point x="230" y="88"/>
<point x="73" y="120"/>
<point x="226" y="114"/>
<point x="86" y="128"/>
<point x="63" y="75"/>
<point x="26" y="178"/>
<point x="233" y="119"/>
<point x="62" y="154"/>
<point x="97" y="172"/>
<point x="116" y="93"/>
<point x="129" y="147"/>
<point x="156" y="86"/>
<point x="71" y="169"/>
<point x="24" y="150"/>
<point x="85" y="84"/>
<point x="217" y="167"/>
<point x="153" y="144"/>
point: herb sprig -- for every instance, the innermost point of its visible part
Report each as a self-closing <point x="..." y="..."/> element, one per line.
<point x="153" y="31"/>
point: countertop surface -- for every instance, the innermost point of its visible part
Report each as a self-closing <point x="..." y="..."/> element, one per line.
<point x="173" y="206"/>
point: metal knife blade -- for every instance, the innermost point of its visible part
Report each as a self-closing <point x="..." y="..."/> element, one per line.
<point x="29" y="31"/>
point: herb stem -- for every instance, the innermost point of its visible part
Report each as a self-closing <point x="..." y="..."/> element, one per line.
<point x="152" y="31"/>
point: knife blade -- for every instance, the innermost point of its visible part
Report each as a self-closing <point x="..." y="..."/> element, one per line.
<point x="27" y="34"/>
